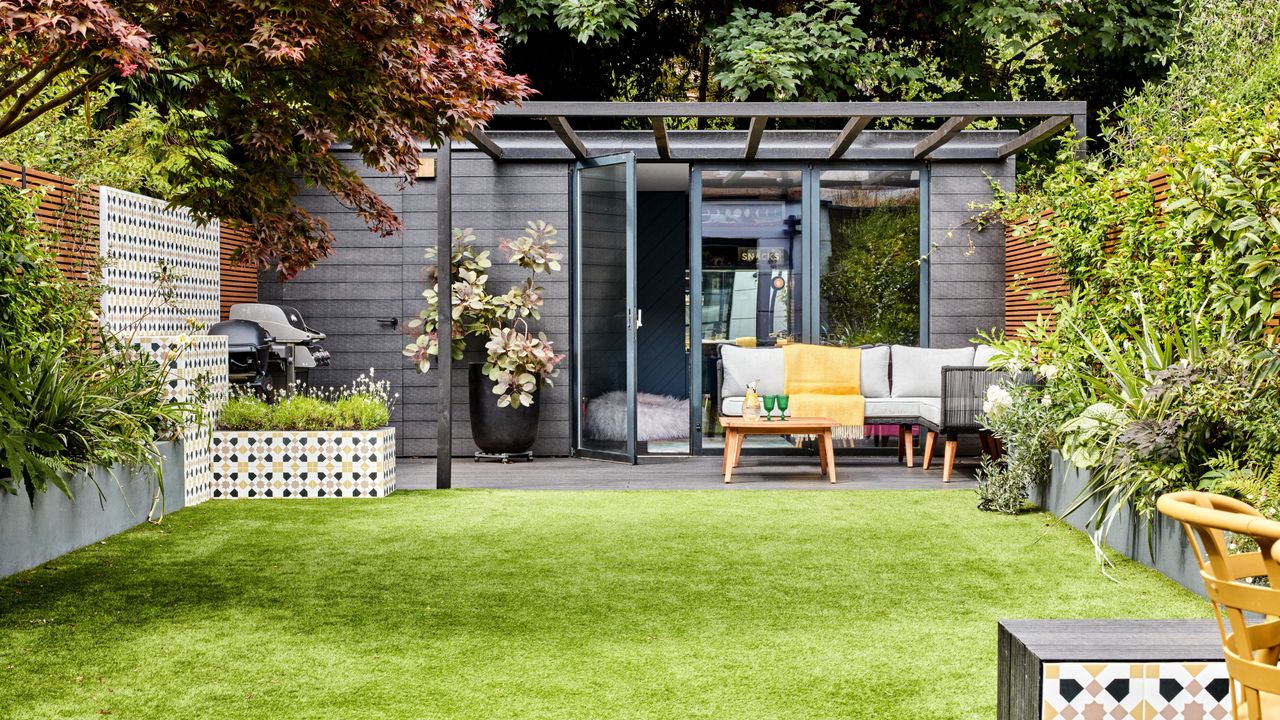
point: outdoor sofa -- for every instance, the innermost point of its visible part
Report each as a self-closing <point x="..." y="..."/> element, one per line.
<point x="938" y="389"/>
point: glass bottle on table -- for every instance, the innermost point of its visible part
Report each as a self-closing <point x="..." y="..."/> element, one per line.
<point x="751" y="403"/>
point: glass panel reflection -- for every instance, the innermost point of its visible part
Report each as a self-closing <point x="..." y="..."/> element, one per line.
<point x="868" y="256"/>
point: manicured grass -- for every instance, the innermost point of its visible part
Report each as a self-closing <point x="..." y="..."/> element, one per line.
<point x="495" y="604"/>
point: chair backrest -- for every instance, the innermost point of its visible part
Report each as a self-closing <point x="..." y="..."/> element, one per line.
<point x="1252" y="647"/>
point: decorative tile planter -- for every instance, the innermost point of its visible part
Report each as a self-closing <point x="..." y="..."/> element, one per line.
<point x="1111" y="670"/>
<point x="304" y="464"/>
<point x="202" y="360"/>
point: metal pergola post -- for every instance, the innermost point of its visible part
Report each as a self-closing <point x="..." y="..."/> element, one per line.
<point x="444" y="315"/>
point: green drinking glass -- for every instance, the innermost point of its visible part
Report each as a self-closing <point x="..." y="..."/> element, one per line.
<point x="770" y="402"/>
<point x="783" y="400"/>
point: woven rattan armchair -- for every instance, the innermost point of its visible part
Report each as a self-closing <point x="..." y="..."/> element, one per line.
<point x="963" y="391"/>
<point x="1252" y="647"/>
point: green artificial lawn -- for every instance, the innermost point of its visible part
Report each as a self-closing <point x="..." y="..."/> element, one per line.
<point x="509" y="604"/>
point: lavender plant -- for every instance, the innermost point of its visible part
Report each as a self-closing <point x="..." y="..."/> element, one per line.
<point x="364" y="405"/>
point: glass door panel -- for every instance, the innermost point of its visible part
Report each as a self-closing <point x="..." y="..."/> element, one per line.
<point x="751" y="267"/>
<point x="604" y="292"/>
<point x="868" y="251"/>
<point x="868" y="257"/>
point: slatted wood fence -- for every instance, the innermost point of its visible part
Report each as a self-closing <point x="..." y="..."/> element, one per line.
<point x="1031" y="267"/>
<point x="69" y="210"/>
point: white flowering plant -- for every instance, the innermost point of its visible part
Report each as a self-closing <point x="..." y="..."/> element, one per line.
<point x="1022" y="416"/>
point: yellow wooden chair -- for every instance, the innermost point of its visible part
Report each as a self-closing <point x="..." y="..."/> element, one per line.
<point x="1252" y="647"/>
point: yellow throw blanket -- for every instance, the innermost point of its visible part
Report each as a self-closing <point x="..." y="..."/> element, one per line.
<point x="826" y="382"/>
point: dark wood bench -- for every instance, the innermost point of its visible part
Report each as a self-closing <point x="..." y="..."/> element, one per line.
<point x="1079" y="669"/>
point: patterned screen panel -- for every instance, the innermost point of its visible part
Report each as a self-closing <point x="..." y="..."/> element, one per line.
<point x="143" y="240"/>
<point x="197" y="373"/>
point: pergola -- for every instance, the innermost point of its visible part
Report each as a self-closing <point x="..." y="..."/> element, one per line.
<point x="663" y="143"/>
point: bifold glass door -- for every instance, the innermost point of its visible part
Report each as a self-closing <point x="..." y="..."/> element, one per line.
<point x="603" y="193"/>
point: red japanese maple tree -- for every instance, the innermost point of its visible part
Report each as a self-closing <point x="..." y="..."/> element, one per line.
<point x="281" y="80"/>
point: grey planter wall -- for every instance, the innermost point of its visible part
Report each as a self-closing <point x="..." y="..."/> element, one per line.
<point x="1157" y="542"/>
<point x="33" y="533"/>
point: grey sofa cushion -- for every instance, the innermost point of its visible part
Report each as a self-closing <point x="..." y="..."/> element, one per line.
<point x="925" y="408"/>
<point x="744" y="365"/>
<point x="875" y="372"/>
<point x="732" y="406"/>
<point x="982" y="355"/>
<point x="917" y="372"/>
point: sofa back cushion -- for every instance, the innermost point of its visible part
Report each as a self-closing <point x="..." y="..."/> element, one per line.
<point x="875" y="371"/>
<point x="917" y="372"/>
<point x="744" y="365"/>
<point x="982" y="355"/>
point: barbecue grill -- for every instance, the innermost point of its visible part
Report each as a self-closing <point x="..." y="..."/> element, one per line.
<point x="248" y="353"/>
<point x="295" y="349"/>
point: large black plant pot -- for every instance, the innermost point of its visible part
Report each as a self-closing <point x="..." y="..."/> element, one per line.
<point x="497" y="430"/>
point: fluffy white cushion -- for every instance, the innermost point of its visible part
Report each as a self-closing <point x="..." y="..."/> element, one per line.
<point x="745" y="365"/>
<point x="917" y="372"/>
<point x="875" y="372"/>
<point x="658" y="417"/>
<point x="982" y="355"/>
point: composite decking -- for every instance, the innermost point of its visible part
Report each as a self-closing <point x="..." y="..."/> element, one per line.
<point x="685" y="473"/>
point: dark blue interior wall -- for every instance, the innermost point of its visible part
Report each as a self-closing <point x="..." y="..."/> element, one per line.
<point x="662" y="255"/>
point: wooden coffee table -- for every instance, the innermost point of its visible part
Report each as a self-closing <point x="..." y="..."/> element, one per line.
<point x="735" y="429"/>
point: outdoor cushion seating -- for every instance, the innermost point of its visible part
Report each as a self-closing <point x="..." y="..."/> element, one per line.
<point x="903" y="386"/>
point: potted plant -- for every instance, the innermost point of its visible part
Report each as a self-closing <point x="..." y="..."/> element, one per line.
<point x="518" y="362"/>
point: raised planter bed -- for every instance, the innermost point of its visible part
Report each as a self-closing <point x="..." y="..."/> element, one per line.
<point x="34" y="531"/>
<point x="304" y="463"/>
<point x="1156" y="542"/>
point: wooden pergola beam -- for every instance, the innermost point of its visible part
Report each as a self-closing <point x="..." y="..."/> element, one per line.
<point x="754" y="134"/>
<point x="660" y="137"/>
<point x="843" y="110"/>
<point x="568" y="136"/>
<point x="484" y="143"/>
<point x="942" y="135"/>
<point x="1033" y="136"/>
<point x="847" y="135"/>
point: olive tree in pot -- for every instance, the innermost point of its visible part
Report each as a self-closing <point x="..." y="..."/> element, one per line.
<point x="504" y="390"/>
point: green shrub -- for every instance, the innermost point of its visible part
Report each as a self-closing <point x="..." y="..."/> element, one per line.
<point x="1023" y="417"/>
<point x="245" y="412"/>
<point x="300" y="412"/>
<point x="366" y="405"/>
<point x="71" y="396"/>
<point x="362" y="412"/>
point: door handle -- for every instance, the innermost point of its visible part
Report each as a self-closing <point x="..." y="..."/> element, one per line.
<point x="639" y="318"/>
